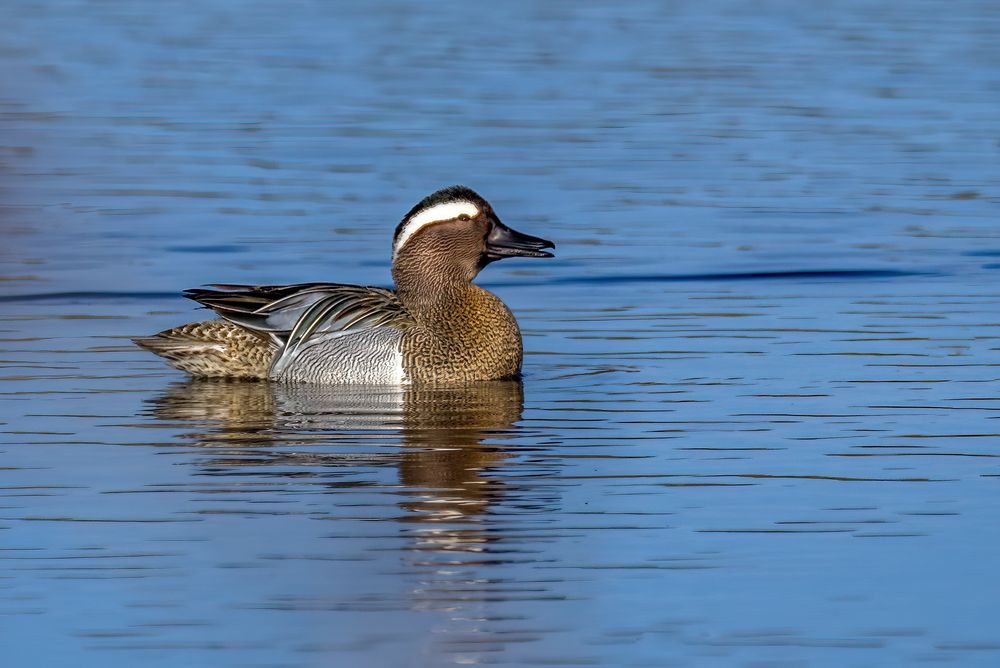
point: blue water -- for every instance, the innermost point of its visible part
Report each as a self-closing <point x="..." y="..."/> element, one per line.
<point x="759" y="419"/>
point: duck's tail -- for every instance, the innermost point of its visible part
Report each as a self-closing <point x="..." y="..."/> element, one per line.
<point x="212" y="349"/>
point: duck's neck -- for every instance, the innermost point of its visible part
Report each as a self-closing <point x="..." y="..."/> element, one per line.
<point x="423" y="291"/>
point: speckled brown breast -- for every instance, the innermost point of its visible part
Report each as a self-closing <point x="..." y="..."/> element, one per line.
<point x="467" y="335"/>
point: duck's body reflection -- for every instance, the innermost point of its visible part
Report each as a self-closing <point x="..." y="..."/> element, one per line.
<point x="444" y="461"/>
<point x="447" y="442"/>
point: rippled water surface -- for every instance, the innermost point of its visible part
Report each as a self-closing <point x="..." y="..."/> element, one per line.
<point x="759" y="419"/>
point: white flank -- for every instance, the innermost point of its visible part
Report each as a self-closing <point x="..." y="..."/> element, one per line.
<point x="435" y="214"/>
<point x="398" y="376"/>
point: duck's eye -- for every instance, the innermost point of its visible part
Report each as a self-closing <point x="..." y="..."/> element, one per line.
<point x="464" y="216"/>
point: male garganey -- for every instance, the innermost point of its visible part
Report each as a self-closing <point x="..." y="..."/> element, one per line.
<point x="436" y="326"/>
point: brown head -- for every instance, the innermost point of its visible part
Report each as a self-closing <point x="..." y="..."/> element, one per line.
<point x="448" y="237"/>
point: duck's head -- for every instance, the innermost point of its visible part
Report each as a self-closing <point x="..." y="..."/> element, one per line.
<point x="454" y="233"/>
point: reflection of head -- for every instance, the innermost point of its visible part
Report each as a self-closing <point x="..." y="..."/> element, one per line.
<point x="445" y="428"/>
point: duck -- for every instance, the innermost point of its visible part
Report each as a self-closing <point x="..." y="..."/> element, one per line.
<point x="436" y="326"/>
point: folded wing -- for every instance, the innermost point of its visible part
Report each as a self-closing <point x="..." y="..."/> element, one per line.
<point x="296" y="315"/>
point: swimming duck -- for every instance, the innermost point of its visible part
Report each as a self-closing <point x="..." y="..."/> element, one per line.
<point x="436" y="326"/>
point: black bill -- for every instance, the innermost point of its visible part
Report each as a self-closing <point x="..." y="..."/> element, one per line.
<point x="504" y="242"/>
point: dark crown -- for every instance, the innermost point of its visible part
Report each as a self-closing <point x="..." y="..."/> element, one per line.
<point x="457" y="193"/>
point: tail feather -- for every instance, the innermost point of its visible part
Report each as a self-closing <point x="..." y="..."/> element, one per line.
<point x="212" y="349"/>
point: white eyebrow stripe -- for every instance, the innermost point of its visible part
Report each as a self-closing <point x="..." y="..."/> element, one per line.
<point x="435" y="214"/>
